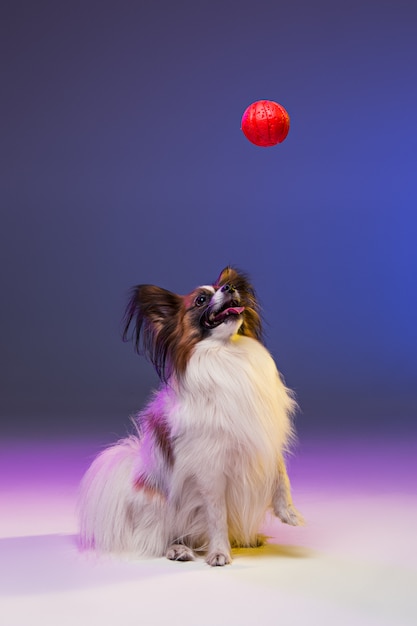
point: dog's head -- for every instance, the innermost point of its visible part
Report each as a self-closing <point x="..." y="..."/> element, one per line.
<point x="167" y="326"/>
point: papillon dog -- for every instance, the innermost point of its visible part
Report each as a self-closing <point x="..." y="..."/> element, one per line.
<point x="206" y="461"/>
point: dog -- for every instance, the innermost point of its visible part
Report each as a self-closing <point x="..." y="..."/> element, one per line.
<point x="207" y="459"/>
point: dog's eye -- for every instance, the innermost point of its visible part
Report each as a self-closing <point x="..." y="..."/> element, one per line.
<point x="200" y="300"/>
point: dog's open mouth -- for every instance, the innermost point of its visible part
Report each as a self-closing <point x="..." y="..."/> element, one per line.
<point x="213" y="319"/>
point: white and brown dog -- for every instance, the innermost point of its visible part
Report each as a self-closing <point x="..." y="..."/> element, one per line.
<point x="207" y="460"/>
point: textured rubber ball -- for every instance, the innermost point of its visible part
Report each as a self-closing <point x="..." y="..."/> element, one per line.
<point x="265" y="123"/>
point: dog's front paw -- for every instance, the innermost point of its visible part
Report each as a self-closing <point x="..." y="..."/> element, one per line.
<point x="290" y="515"/>
<point x="179" y="552"/>
<point x="218" y="558"/>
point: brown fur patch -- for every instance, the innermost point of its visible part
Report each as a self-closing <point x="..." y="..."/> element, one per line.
<point x="162" y="436"/>
<point x="151" y="491"/>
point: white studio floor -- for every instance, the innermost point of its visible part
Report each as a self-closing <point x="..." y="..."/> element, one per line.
<point x="354" y="563"/>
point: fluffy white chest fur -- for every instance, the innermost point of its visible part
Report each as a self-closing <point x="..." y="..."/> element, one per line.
<point x="208" y="458"/>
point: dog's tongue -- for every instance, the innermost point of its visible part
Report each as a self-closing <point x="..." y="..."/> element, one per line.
<point x="233" y="310"/>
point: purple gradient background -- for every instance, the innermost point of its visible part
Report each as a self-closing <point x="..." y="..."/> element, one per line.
<point x="123" y="162"/>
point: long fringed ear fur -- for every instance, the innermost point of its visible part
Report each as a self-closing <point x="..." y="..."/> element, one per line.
<point x="252" y="323"/>
<point x="153" y="312"/>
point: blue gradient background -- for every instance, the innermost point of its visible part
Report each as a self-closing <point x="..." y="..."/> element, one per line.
<point x="123" y="162"/>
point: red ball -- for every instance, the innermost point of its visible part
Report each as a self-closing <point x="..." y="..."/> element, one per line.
<point x="265" y="123"/>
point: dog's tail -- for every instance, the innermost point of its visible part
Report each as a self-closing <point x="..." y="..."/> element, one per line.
<point x="116" y="514"/>
<point x="104" y="498"/>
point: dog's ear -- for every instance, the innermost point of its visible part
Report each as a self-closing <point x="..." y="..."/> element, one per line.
<point x="236" y="277"/>
<point x="152" y="314"/>
<point x="225" y="276"/>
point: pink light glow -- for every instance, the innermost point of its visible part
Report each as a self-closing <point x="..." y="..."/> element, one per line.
<point x="354" y="562"/>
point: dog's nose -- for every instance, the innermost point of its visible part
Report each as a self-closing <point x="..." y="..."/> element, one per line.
<point x="228" y="288"/>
